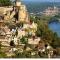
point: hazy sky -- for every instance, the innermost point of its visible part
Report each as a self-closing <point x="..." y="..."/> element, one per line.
<point x="44" y="0"/>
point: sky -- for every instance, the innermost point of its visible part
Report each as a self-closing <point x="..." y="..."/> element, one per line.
<point x="44" y="0"/>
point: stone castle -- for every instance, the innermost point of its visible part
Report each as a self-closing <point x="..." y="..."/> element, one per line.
<point x="18" y="12"/>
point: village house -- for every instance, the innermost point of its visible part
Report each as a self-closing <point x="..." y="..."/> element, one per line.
<point x="30" y="28"/>
<point x="51" y="11"/>
<point x="34" y="41"/>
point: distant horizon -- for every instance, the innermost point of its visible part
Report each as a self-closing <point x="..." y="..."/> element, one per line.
<point x="41" y="0"/>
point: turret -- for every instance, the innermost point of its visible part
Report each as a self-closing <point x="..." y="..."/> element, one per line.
<point x="17" y="2"/>
<point x="23" y="16"/>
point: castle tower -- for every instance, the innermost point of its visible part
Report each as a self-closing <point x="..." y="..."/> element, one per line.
<point x="22" y="11"/>
<point x="17" y="5"/>
<point x="23" y="16"/>
<point x="17" y="2"/>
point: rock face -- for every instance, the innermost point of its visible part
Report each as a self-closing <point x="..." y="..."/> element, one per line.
<point x="18" y="11"/>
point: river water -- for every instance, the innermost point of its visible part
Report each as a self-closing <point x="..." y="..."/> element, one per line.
<point x="55" y="27"/>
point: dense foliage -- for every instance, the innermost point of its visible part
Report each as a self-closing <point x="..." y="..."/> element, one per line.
<point x="24" y="40"/>
<point x="44" y="32"/>
<point x="5" y="2"/>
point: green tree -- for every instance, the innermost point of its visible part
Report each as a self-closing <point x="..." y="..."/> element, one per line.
<point x="24" y="40"/>
<point x="2" y="55"/>
<point x="5" y="2"/>
<point x="46" y="34"/>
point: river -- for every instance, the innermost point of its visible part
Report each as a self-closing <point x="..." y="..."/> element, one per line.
<point x="55" y="27"/>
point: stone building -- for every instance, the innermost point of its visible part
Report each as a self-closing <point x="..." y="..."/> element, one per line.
<point x="51" y="11"/>
<point x="18" y="11"/>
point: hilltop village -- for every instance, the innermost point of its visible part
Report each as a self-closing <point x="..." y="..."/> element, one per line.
<point x="15" y="14"/>
<point x="17" y="31"/>
<point x="51" y="11"/>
